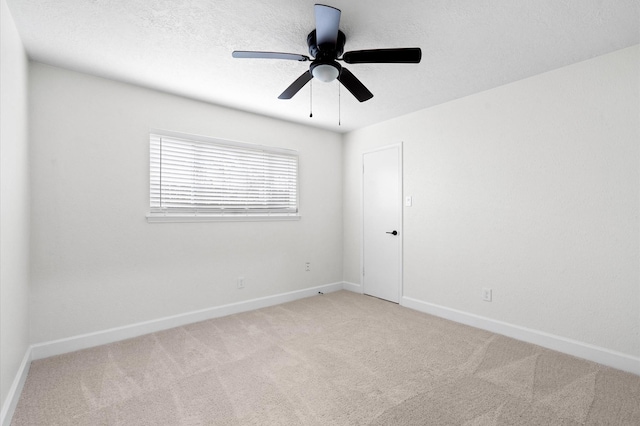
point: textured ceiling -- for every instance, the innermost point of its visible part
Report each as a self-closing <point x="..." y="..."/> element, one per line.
<point x="184" y="47"/>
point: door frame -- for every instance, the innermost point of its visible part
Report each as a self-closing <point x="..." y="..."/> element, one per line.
<point x="400" y="216"/>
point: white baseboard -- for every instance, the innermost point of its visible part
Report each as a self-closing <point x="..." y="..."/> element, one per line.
<point x="356" y="288"/>
<point x="84" y="341"/>
<point x="557" y="343"/>
<point x="11" y="401"/>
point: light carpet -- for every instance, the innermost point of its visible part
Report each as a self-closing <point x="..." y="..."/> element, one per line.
<point x="334" y="359"/>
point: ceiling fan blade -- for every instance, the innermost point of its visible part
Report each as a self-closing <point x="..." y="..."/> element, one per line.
<point x="354" y="85"/>
<point x="296" y="86"/>
<point x="408" y="55"/>
<point x="269" y="55"/>
<point x="327" y="23"/>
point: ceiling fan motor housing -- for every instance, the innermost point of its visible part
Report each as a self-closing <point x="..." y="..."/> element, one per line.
<point x="324" y="67"/>
<point x="326" y="51"/>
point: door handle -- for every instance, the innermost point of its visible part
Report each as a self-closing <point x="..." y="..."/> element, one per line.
<point x="394" y="232"/>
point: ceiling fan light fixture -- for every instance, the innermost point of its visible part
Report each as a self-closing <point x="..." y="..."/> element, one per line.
<point x="325" y="72"/>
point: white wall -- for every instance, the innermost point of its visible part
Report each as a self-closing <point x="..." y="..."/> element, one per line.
<point x="531" y="189"/>
<point x="97" y="263"/>
<point x="14" y="204"/>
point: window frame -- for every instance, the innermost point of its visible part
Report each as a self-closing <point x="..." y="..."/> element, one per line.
<point x="156" y="215"/>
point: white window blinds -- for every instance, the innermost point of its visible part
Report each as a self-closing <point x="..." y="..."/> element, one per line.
<point x="199" y="176"/>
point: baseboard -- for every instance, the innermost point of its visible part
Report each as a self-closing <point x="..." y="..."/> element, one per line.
<point x="11" y="402"/>
<point x="356" y="288"/>
<point x="578" y="349"/>
<point x="84" y="341"/>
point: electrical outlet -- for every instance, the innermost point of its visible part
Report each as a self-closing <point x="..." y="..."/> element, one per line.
<point x="486" y="294"/>
<point x="307" y="267"/>
<point x="240" y="282"/>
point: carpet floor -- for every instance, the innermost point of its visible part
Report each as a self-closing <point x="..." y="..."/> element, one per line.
<point x="335" y="359"/>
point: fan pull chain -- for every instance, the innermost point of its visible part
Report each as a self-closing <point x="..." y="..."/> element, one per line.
<point x="339" y="104"/>
<point x="311" y="98"/>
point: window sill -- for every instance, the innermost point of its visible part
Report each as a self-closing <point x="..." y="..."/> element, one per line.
<point x="160" y="218"/>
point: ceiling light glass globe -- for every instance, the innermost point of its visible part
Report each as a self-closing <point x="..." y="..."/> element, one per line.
<point x="325" y="73"/>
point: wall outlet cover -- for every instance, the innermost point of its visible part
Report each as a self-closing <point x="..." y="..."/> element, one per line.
<point x="486" y="294"/>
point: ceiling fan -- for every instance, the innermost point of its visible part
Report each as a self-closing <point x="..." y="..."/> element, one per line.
<point x="326" y="45"/>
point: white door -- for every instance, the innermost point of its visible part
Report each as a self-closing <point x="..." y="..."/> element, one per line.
<point x="382" y="223"/>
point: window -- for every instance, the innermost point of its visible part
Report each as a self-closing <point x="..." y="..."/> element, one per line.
<point x="196" y="178"/>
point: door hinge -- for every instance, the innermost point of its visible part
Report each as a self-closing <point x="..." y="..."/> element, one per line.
<point x="363" y="272"/>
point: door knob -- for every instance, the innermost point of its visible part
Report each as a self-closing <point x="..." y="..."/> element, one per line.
<point x="394" y="232"/>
